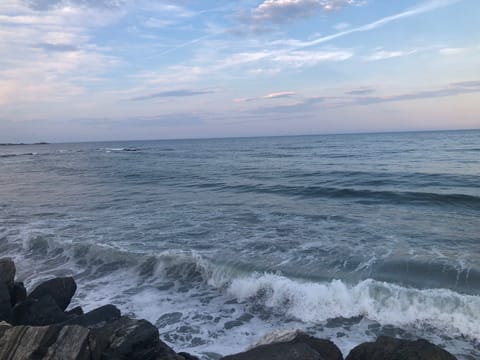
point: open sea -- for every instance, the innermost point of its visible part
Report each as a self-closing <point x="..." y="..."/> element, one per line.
<point x="218" y="242"/>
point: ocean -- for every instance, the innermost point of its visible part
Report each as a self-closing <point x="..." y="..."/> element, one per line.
<point x="220" y="241"/>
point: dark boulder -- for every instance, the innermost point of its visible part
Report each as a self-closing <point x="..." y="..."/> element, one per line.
<point x="6" y="312"/>
<point x="7" y="272"/>
<point x="97" y="317"/>
<point x="387" y="348"/>
<point x="38" y="312"/>
<point x="60" y="289"/>
<point x="18" y="293"/>
<point x="300" y="347"/>
<point x="130" y="339"/>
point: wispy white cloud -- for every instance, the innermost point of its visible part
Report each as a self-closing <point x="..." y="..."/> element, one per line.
<point x="46" y="52"/>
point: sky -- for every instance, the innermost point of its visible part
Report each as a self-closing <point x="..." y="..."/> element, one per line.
<point x="80" y="70"/>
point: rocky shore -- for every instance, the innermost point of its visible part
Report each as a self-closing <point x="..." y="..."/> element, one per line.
<point x="39" y="325"/>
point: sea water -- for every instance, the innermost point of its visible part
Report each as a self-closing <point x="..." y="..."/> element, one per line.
<point x="220" y="241"/>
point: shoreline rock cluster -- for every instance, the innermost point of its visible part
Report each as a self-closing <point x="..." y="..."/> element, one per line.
<point x="37" y="325"/>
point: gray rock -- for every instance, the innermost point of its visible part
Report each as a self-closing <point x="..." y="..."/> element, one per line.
<point x="6" y="313"/>
<point x="301" y="346"/>
<point x="73" y="343"/>
<point x="96" y="318"/>
<point x="38" y="312"/>
<point x="48" y="343"/>
<point x="387" y="348"/>
<point x="60" y="289"/>
<point x="26" y="342"/>
<point x="7" y="271"/>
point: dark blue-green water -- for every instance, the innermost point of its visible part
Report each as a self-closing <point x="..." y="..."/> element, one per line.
<point x="220" y="241"/>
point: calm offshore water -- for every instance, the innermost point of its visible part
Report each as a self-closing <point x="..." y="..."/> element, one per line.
<point x="219" y="242"/>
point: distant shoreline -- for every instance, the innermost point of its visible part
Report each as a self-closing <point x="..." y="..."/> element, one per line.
<point x="17" y="144"/>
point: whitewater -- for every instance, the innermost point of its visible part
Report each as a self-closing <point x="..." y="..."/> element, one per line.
<point x="220" y="241"/>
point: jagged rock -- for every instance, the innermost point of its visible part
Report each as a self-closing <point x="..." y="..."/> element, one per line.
<point x="47" y="343"/>
<point x="292" y="347"/>
<point x="97" y="317"/>
<point x="6" y="313"/>
<point x="18" y="293"/>
<point x="126" y="338"/>
<point x="73" y="343"/>
<point x="387" y="348"/>
<point x="39" y="312"/>
<point x="7" y="271"/>
<point x="60" y="289"/>
<point x="26" y="342"/>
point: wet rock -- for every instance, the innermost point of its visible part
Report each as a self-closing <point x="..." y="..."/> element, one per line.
<point x="126" y="338"/>
<point x="96" y="318"/>
<point x="291" y="345"/>
<point x="7" y="271"/>
<point x="387" y="348"/>
<point x="60" y="289"/>
<point x="18" y="293"/>
<point x="38" y="312"/>
<point x="6" y="312"/>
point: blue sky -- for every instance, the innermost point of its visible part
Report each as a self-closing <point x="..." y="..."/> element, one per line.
<point x="142" y="69"/>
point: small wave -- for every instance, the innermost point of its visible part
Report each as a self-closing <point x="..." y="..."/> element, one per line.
<point x="363" y="196"/>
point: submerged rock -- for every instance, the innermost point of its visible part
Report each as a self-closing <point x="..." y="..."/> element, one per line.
<point x="387" y="348"/>
<point x="60" y="289"/>
<point x="292" y="346"/>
